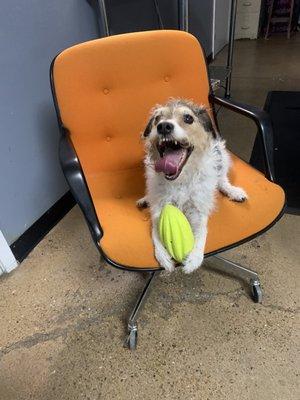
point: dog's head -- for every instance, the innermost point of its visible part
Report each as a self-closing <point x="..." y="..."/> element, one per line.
<point x="174" y="132"/>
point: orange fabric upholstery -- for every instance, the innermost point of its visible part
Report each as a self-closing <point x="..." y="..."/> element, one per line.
<point x="105" y="89"/>
<point x="127" y="238"/>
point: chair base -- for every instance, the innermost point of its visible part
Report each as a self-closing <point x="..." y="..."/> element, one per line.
<point x="220" y="264"/>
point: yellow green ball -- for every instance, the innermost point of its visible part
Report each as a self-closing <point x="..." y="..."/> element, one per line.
<point x="175" y="232"/>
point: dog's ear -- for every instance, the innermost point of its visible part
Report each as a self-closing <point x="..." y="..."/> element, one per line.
<point x="205" y="120"/>
<point x="148" y="128"/>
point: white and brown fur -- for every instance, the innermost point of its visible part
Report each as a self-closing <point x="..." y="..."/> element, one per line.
<point x="193" y="191"/>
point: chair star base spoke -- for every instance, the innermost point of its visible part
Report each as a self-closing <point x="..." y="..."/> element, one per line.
<point x="131" y="340"/>
<point x="239" y="271"/>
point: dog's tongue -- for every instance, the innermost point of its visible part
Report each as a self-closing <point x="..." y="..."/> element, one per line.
<point x="169" y="163"/>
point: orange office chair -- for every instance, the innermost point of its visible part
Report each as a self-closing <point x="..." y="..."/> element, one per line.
<point x="103" y="91"/>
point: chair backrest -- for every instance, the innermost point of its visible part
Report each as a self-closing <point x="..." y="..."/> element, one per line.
<point x="105" y="89"/>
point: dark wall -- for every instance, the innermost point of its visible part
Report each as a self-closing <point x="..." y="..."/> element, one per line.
<point x="137" y="15"/>
<point x="201" y="22"/>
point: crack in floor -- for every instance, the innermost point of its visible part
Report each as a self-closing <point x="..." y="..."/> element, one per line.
<point x="281" y="308"/>
<point x="40" y="337"/>
<point x="37" y="338"/>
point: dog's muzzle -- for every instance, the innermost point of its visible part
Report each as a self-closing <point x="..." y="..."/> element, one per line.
<point x="173" y="156"/>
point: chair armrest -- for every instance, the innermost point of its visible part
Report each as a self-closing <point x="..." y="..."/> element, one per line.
<point x="74" y="175"/>
<point x="263" y="123"/>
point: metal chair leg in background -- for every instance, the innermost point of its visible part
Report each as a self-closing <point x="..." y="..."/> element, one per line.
<point x="131" y="340"/>
<point x="239" y="271"/>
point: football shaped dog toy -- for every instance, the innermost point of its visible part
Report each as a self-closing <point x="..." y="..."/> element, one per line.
<point x="175" y="232"/>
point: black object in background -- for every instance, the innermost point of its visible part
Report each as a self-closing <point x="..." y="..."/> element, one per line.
<point x="284" y="110"/>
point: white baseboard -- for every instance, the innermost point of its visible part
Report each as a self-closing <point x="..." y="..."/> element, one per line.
<point x="7" y="259"/>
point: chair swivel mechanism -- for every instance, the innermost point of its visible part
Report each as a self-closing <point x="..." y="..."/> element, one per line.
<point x="103" y="91"/>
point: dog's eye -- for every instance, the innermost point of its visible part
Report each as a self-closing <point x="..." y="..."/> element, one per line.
<point x="188" y="119"/>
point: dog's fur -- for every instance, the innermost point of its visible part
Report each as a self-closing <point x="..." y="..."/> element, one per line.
<point x="193" y="191"/>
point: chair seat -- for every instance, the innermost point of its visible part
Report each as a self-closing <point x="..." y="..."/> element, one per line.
<point x="127" y="230"/>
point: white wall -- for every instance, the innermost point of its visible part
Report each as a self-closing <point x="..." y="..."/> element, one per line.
<point x="32" y="32"/>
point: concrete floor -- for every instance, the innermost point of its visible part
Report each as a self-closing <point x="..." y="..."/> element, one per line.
<point x="62" y="320"/>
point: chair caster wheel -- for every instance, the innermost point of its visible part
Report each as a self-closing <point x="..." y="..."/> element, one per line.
<point x="131" y="340"/>
<point x="256" y="291"/>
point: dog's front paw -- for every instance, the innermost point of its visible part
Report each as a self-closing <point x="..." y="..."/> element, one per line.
<point x="142" y="203"/>
<point x="164" y="260"/>
<point x="237" y="194"/>
<point x="193" y="261"/>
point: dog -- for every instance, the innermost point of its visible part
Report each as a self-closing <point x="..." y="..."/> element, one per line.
<point x="186" y="162"/>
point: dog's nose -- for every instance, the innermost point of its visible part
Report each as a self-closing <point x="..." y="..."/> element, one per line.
<point x="165" y="128"/>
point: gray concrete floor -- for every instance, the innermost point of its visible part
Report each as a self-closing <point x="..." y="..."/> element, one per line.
<point x="62" y="320"/>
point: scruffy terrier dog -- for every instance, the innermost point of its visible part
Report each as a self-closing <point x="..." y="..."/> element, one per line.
<point x="186" y="163"/>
